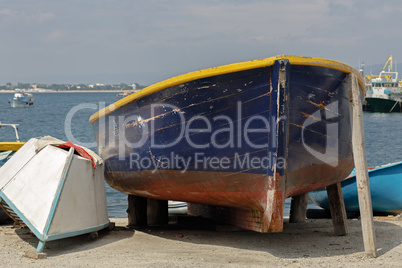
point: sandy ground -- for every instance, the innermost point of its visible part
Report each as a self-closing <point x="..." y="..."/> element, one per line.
<point x="300" y="245"/>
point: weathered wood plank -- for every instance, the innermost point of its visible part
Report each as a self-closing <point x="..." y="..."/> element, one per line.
<point x="137" y="211"/>
<point x="362" y="178"/>
<point x="157" y="212"/>
<point x="337" y="208"/>
<point x="298" y="208"/>
<point x="35" y="255"/>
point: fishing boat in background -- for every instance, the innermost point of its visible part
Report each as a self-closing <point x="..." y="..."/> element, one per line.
<point x="124" y="94"/>
<point x="384" y="91"/>
<point x="21" y="99"/>
<point x="385" y="184"/>
<point x="233" y="141"/>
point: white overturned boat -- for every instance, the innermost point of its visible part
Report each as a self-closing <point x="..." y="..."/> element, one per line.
<point x="53" y="191"/>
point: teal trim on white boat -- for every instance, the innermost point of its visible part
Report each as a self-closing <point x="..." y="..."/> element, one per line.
<point x="55" y="193"/>
<point x="78" y="232"/>
<point x="43" y="238"/>
<point x="56" y="200"/>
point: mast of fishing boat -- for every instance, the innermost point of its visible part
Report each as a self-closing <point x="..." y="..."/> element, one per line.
<point x="361" y="71"/>
<point x="389" y="64"/>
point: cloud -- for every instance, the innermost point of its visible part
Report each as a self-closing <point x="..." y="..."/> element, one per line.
<point x="40" y="17"/>
<point x="8" y="15"/>
<point x="166" y="37"/>
<point x="5" y="12"/>
<point x="55" y="35"/>
<point x="263" y="21"/>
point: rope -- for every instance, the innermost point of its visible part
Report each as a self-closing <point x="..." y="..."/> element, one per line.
<point x="396" y="102"/>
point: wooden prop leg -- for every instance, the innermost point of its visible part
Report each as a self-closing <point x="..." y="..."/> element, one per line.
<point x="137" y="211"/>
<point x="337" y="207"/>
<point x="362" y="178"/>
<point x="157" y="212"/>
<point x="298" y="208"/>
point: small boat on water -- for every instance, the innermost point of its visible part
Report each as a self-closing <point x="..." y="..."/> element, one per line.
<point x="385" y="184"/>
<point x="21" y="99"/>
<point x="233" y="141"/>
<point x="384" y="91"/>
<point x="124" y="94"/>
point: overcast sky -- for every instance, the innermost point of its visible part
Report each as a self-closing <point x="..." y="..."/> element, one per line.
<point x="148" y="41"/>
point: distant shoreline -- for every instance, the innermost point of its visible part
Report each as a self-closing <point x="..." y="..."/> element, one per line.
<point x="65" y="91"/>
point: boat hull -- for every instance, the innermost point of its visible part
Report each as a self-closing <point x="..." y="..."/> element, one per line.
<point x="21" y="104"/>
<point x="384" y="105"/>
<point x="177" y="207"/>
<point x="54" y="192"/>
<point x="385" y="186"/>
<point x="233" y="144"/>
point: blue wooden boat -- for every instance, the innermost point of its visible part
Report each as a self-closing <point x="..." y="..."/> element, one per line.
<point x="233" y="141"/>
<point x="385" y="184"/>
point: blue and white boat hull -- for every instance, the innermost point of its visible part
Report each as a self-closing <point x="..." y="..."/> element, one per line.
<point x="385" y="185"/>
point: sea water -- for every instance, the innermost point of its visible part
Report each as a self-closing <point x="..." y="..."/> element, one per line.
<point x="66" y="116"/>
<point x="63" y="116"/>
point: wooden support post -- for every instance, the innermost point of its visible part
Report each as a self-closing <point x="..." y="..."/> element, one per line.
<point x="337" y="207"/>
<point x="157" y="212"/>
<point x="137" y="211"/>
<point x="362" y="178"/>
<point x="298" y="208"/>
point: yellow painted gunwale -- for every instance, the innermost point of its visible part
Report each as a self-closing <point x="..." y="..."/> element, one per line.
<point x="234" y="67"/>
<point x="11" y="146"/>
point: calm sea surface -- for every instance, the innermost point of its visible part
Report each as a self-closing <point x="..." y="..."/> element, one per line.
<point x="52" y="113"/>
